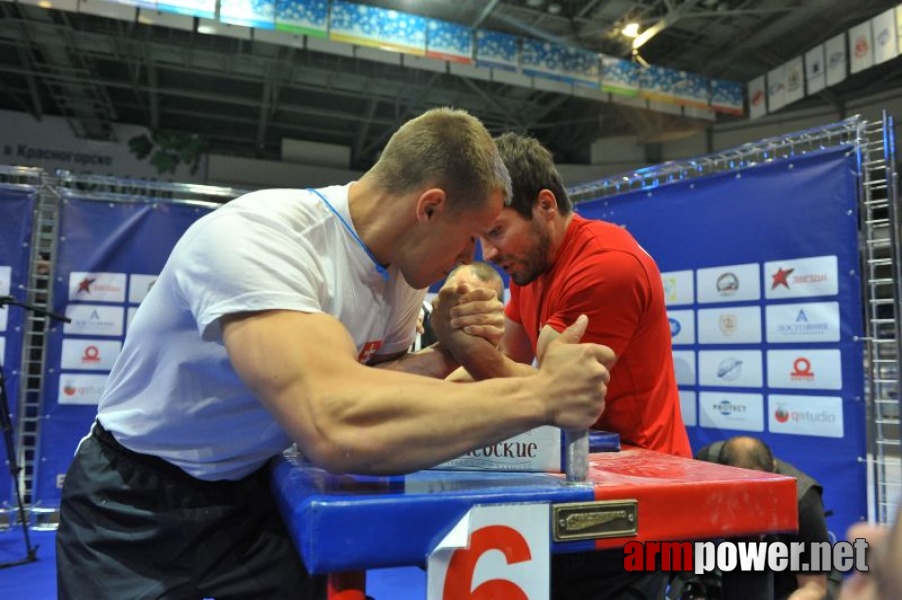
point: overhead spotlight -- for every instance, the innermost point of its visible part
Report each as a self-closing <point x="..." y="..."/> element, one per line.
<point x="554" y="8"/>
<point x="630" y="30"/>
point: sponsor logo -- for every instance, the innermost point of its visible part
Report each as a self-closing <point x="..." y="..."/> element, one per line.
<point x="781" y="414"/>
<point x="835" y="59"/>
<point x="883" y="37"/>
<point x="862" y="47"/>
<point x="727" y="284"/>
<point x="90" y="355"/>
<point x="727" y="408"/>
<point x="85" y="285"/>
<point x="802" y="326"/>
<point x="670" y="288"/>
<point x="781" y="277"/>
<point x="728" y="324"/>
<point x="801" y="370"/>
<point x="675" y="327"/>
<point x="729" y="369"/>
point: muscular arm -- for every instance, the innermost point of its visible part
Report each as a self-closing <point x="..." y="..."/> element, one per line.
<point x="347" y="417"/>
<point x="512" y="359"/>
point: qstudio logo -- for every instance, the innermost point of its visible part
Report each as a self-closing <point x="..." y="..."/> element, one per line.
<point x="675" y="327"/>
<point x="727" y="284"/>
<point x="728" y="324"/>
<point x="69" y="389"/>
<point x="801" y="370"/>
<point x="781" y="414"/>
<point x="729" y="369"/>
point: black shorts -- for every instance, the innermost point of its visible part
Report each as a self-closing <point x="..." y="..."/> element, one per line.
<point x="135" y="526"/>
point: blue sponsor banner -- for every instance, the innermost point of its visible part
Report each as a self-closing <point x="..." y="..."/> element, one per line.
<point x="761" y="274"/>
<point x="310" y="17"/>
<point x="378" y="27"/>
<point x="727" y="96"/>
<point x="560" y="63"/>
<point x="16" y="218"/>
<point x="109" y="254"/>
<point x="620" y="76"/>
<point x="497" y="50"/>
<point x="248" y="13"/>
<point x="449" y="41"/>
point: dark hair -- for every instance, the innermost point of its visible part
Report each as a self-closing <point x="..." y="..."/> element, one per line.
<point x="531" y="167"/>
<point x="748" y="453"/>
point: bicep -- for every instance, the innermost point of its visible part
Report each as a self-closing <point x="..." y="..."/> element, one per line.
<point x="289" y="360"/>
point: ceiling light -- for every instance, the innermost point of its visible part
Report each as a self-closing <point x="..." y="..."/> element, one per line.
<point x="630" y="30"/>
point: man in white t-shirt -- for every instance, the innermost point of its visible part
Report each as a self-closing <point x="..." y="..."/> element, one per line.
<point x="262" y="330"/>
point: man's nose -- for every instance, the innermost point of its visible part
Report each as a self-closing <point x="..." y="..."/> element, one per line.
<point x="489" y="252"/>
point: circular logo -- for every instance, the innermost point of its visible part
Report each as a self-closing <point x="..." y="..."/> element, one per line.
<point x="782" y="415"/>
<point x="675" y="327"/>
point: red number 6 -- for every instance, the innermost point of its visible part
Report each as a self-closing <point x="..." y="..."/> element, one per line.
<point x="459" y="577"/>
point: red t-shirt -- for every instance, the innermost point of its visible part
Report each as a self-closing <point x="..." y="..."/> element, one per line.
<point x="602" y="272"/>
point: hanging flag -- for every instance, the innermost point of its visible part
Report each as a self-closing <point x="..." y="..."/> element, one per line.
<point x="776" y="88"/>
<point x="861" y="47"/>
<point x="815" y="69"/>
<point x="757" y="98"/>
<point x="886" y="46"/>
<point x="835" y="54"/>
<point x="795" y="80"/>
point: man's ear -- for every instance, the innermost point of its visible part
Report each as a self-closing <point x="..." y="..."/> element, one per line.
<point x="546" y="204"/>
<point x="430" y="203"/>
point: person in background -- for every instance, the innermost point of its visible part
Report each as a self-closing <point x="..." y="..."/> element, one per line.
<point x="285" y="317"/>
<point x="477" y="274"/>
<point x="747" y="452"/>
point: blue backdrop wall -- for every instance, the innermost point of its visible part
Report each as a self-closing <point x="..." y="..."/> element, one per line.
<point x="761" y="272"/>
<point x="16" y="218"/>
<point x="109" y="255"/>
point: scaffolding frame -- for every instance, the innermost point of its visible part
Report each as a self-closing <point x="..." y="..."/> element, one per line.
<point x="880" y="259"/>
<point x="53" y="190"/>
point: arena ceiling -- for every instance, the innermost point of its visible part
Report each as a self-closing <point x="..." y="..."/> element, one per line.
<point x="243" y="97"/>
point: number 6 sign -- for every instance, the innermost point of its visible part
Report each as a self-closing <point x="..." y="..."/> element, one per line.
<point x="495" y="552"/>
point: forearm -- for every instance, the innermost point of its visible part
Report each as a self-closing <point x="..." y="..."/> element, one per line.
<point x="375" y="421"/>
<point x="490" y="364"/>
<point x="432" y="361"/>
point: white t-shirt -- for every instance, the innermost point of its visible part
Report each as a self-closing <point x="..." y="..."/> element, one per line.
<point x="173" y="392"/>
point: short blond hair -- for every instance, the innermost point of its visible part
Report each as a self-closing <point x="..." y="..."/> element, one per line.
<point x="447" y="148"/>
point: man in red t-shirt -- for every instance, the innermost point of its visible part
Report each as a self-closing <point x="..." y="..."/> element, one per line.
<point x="562" y="265"/>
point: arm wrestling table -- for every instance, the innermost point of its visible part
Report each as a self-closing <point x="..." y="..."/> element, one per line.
<point x="345" y="524"/>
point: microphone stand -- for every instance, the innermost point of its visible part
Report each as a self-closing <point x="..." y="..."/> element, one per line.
<point x="7" y="427"/>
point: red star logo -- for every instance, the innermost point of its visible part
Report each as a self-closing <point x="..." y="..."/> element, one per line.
<point x="85" y="285"/>
<point x="781" y="278"/>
